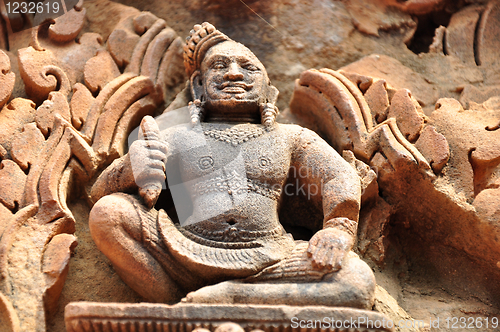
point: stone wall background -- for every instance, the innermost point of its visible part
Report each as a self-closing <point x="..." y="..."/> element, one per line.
<point x="429" y="278"/>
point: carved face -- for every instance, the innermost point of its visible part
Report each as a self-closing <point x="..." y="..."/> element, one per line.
<point x="233" y="79"/>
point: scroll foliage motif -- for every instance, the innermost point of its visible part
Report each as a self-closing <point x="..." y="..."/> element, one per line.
<point x="384" y="127"/>
<point x="75" y="126"/>
<point x="7" y="79"/>
<point x="380" y="124"/>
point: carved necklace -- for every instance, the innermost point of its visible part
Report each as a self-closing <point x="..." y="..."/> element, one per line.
<point x="235" y="135"/>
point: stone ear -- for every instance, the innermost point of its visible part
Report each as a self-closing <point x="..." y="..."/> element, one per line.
<point x="272" y="95"/>
<point x="197" y="90"/>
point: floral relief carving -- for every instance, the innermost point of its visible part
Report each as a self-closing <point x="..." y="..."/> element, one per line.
<point x="79" y="123"/>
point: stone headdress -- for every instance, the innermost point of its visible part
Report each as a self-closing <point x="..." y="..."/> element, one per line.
<point x="201" y="38"/>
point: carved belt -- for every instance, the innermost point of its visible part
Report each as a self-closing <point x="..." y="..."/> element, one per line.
<point x="201" y="235"/>
<point x="223" y="262"/>
<point x="233" y="183"/>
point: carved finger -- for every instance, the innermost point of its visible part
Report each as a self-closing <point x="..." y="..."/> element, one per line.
<point x="163" y="148"/>
<point x="311" y="249"/>
<point x="321" y="261"/>
<point x="157" y="155"/>
<point x="157" y="164"/>
<point x="154" y="174"/>
<point x="314" y="241"/>
<point x="319" y="256"/>
<point x="330" y="259"/>
<point x="337" y="259"/>
<point x="149" y="129"/>
<point x="159" y="146"/>
<point x="155" y="145"/>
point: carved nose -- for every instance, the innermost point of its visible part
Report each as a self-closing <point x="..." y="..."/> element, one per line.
<point x="233" y="73"/>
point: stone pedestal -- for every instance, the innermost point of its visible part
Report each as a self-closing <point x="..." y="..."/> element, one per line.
<point x="114" y="317"/>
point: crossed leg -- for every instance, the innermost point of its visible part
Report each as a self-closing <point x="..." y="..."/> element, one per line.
<point x="352" y="286"/>
<point x="116" y="228"/>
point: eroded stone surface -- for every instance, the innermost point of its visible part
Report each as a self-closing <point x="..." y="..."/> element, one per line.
<point x="409" y="115"/>
<point x="27" y="146"/>
<point x="86" y="316"/>
<point x="44" y="156"/>
<point x="460" y="34"/>
<point x="67" y="27"/>
<point x="99" y="71"/>
<point x="434" y="148"/>
<point x="458" y="219"/>
<point x="7" y="79"/>
<point x="370" y="17"/>
<point x="13" y="117"/>
<point x="238" y="112"/>
<point x="487" y="30"/>
<point x="385" y="67"/>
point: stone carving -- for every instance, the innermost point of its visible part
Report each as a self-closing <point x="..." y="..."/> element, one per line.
<point x="201" y="318"/>
<point x="234" y="136"/>
<point x="69" y="101"/>
<point x="384" y="127"/>
<point x="465" y="52"/>
<point x="477" y="155"/>
<point x="379" y="122"/>
<point x="80" y="122"/>
<point x="7" y="79"/>
<point x="233" y="230"/>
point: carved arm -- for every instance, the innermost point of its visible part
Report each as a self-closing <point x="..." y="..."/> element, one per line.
<point x="329" y="181"/>
<point x="117" y="177"/>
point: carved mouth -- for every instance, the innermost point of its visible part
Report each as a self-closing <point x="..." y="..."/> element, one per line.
<point x="235" y="87"/>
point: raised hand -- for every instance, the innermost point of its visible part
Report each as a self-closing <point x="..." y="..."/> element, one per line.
<point x="147" y="156"/>
<point x="328" y="247"/>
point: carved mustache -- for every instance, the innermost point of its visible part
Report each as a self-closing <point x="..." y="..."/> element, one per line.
<point x="235" y="85"/>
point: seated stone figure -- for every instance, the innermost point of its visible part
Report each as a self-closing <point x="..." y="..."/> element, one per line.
<point x="233" y="160"/>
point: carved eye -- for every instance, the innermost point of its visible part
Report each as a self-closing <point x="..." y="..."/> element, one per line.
<point x="218" y="65"/>
<point x="250" y="67"/>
